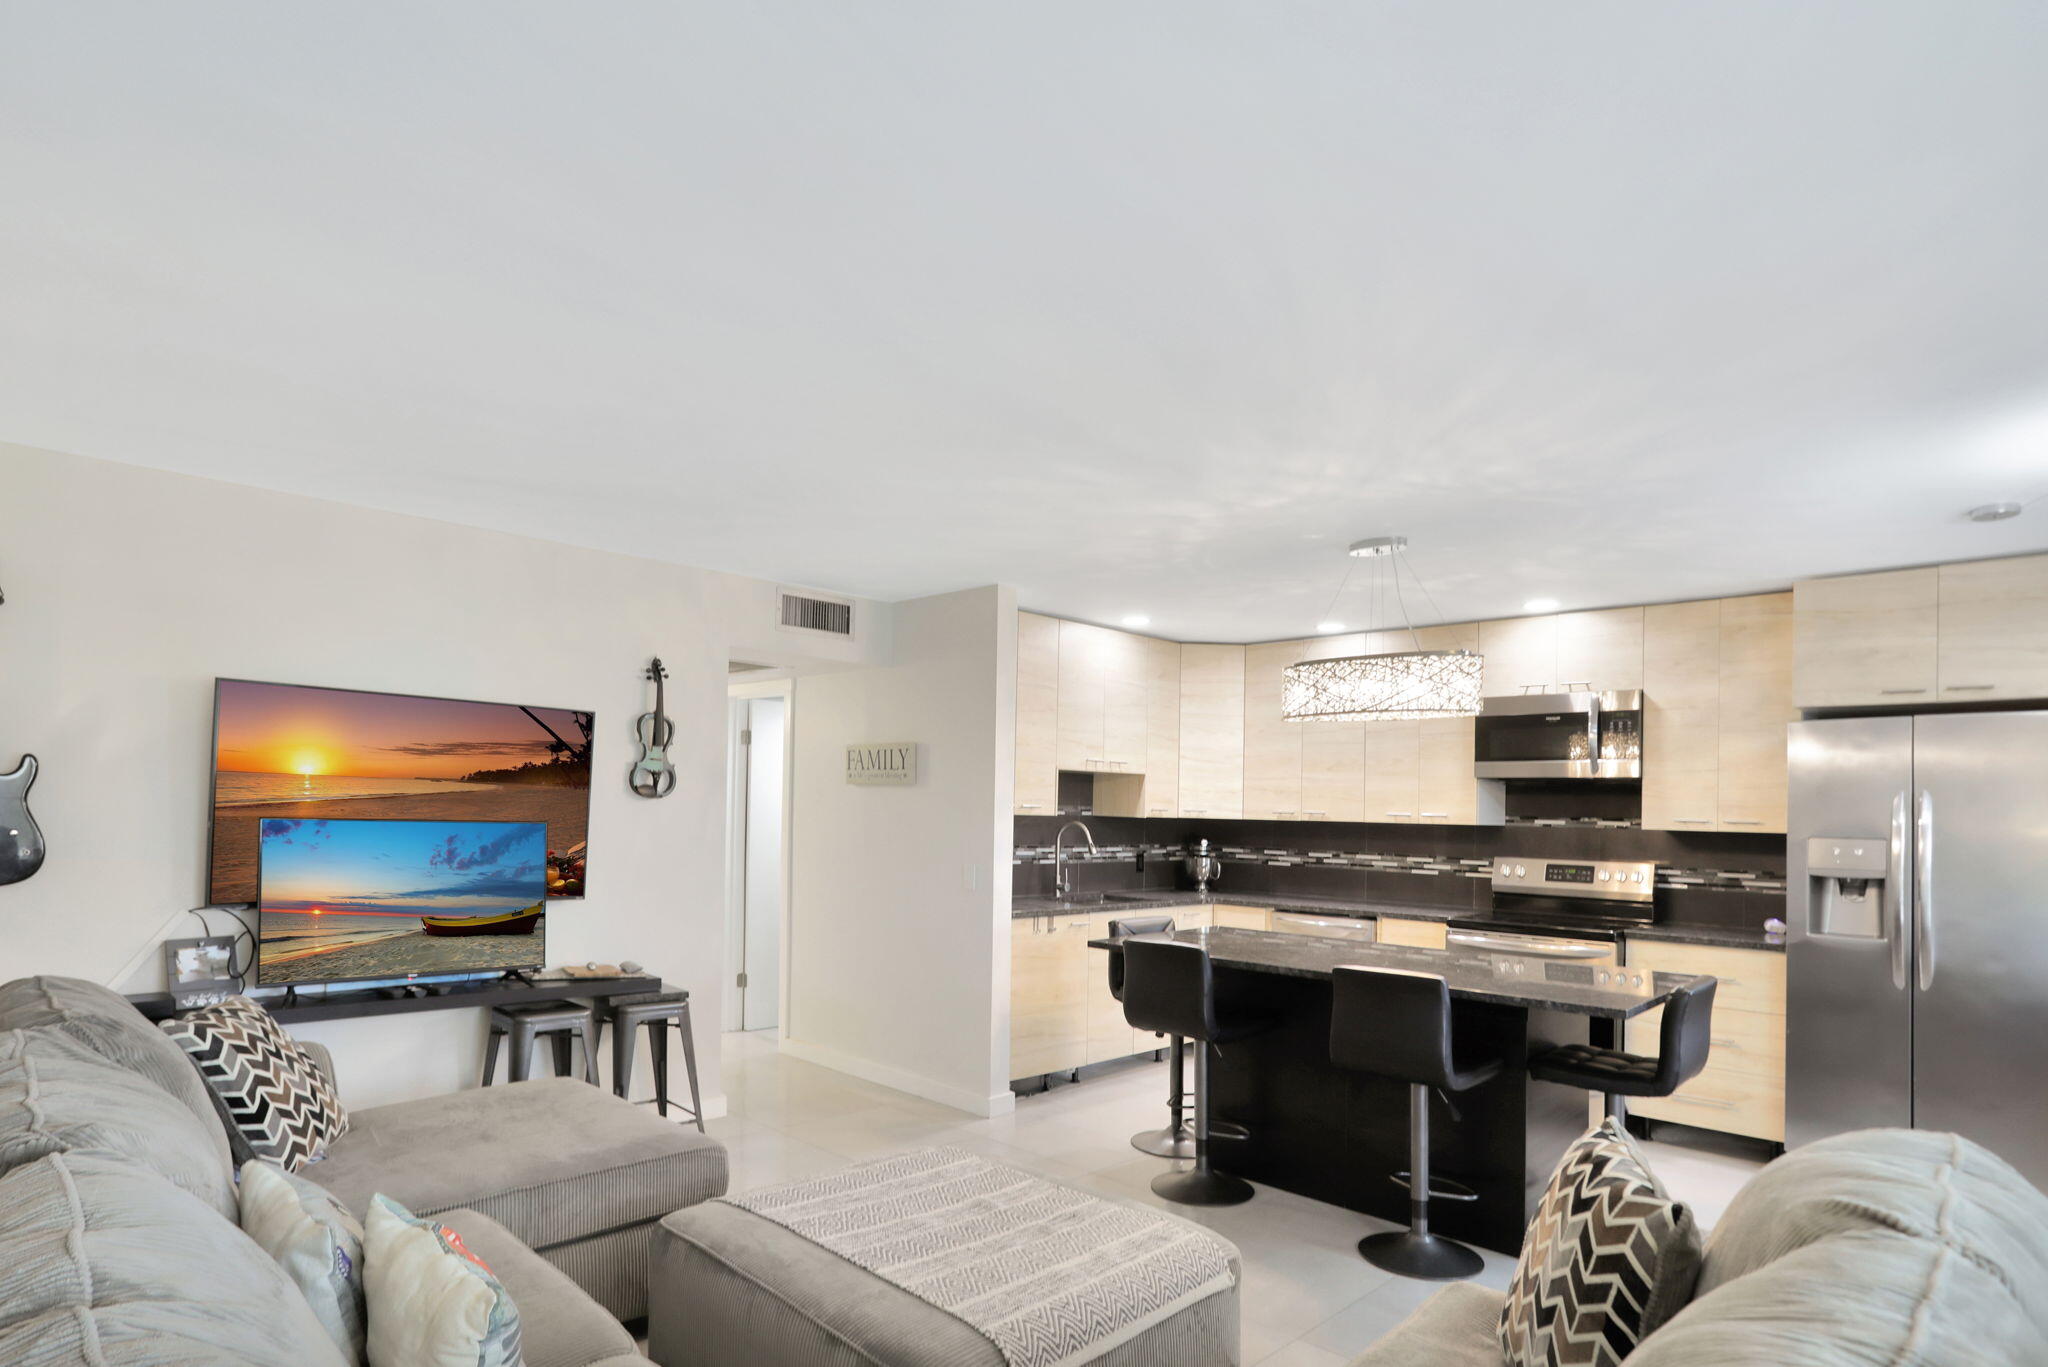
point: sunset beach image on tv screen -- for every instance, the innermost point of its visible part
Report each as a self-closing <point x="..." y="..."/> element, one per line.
<point x="291" y="752"/>
<point x="349" y="900"/>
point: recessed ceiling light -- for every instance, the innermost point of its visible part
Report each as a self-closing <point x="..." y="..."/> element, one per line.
<point x="1994" y="512"/>
<point x="1540" y="605"/>
<point x="1328" y="627"/>
<point x="1137" y="619"/>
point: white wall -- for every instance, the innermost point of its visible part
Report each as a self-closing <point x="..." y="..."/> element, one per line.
<point x="899" y="948"/>
<point x="128" y="591"/>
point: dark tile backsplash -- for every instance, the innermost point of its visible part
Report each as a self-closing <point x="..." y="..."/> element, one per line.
<point x="1717" y="878"/>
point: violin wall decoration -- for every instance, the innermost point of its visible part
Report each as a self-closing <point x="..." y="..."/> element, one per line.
<point x="21" y="844"/>
<point x="652" y="775"/>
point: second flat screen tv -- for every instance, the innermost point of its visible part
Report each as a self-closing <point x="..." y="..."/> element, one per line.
<point x="293" y="752"/>
<point x="350" y="901"/>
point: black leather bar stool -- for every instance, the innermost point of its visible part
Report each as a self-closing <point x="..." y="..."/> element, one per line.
<point x="1397" y="1024"/>
<point x="1170" y="988"/>
<point x="1178" y="1139"/>
<point x="560" y="1022"/>
<point x="656" y="1011"/>
<point x="1682" y="1045"/>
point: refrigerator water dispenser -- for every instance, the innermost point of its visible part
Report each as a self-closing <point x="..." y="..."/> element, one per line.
<point x="1847" y="893"/>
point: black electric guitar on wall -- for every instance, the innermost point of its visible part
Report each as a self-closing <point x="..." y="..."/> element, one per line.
<point x="652" y="774"/>
<point x="21" y="844"/>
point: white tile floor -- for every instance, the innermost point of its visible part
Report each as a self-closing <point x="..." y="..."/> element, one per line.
<point x="1308" y="1299"/>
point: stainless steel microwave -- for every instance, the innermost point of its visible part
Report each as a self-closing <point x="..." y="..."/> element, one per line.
<point x="1560" y="735"/>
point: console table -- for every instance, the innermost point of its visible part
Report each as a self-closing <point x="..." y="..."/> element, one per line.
<point x="327" y="1006"/>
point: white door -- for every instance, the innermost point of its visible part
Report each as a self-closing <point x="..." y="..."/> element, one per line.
<point x="761" y="957"/>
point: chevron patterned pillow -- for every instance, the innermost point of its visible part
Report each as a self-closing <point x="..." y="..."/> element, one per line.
<point x="1608" y="1258"/>
<point x="271" y="1090"/>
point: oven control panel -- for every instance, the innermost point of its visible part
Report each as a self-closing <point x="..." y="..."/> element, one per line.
<point x="1607" y="880"/>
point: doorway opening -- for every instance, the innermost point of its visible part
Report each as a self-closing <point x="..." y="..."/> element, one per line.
<point x="756" y="864"/>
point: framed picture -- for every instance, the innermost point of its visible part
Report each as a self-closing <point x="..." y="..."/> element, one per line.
<point x="201" y="972"/>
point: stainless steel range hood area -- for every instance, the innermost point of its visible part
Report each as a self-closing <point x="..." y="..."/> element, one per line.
<point x="1568" y="735"/>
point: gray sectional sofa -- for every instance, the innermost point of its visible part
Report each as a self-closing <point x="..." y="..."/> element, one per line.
<point x="118" y="1234"/>
<point x="1882" y="1248"/>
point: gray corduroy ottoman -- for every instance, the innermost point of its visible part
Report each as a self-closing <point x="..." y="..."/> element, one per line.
<point x="730" y="1287"/>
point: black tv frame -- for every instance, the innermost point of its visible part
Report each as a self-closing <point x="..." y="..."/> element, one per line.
<point x="256" y="979"/>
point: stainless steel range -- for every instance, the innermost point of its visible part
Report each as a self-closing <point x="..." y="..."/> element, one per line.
<point x="1563" y="918"/>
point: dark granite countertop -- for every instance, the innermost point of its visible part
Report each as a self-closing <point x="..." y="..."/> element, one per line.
<point x="1139" y="901"/>
<point x="1470" y="974"/>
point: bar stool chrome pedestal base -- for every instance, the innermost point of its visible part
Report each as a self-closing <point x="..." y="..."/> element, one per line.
<point x="1165" y="1142"/>
<point x="1202" y="1186"/>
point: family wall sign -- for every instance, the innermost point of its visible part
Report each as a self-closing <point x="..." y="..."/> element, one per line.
<point x="889" y="763"/>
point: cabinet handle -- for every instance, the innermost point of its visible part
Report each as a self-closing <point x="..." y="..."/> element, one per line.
<point x="1315" y="813"/>
<point x="1400" y="814"/>
<point x="1899" y="692"/>
<point x="1439" y="815"/>
<point x="1739" y="821"/>
<point x="1968" y="688"/>
<point x="1713" y="1102"/>
<point x="1694" y="820"/>
<point x="1028" y="804"/>
<point x="1194" y="811"/>
<point x="1277" y="812"/>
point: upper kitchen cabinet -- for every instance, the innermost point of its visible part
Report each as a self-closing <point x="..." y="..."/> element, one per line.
<point x="1521" y="655"/>
<point x="1038" y="669"/>
<point x="1993" y="638"/>
<point x="1717" y="694"/>
<point x="1272" y="744"/>
<point x="1212" y="730"/>
<point x="1865" y="640"/>
<point x="1603" y="649"/>
<point x="1332" y="752"/>
<point x="1755" y="705"/>
<point x="1102" y="700"/>
<point x="1162" y="726"/>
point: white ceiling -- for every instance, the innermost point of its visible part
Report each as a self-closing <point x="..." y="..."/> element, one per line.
<point x="1141" y="307"/>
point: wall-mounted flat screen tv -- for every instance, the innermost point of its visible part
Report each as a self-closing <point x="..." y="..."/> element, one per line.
<point x="350" y="900"/>
<point x="294" y="753"/>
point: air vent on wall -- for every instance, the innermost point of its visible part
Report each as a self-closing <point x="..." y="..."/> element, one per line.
<point x="803" y="612"/>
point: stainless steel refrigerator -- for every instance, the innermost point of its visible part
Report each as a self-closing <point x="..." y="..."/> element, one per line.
<point x="1917" y="929"/>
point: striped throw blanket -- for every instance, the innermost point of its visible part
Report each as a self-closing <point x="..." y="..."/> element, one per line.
<point x="1048" y="1274"/>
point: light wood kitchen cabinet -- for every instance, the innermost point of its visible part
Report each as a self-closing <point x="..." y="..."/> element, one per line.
<point x="1401" y="930"/>
<point x="1038" y="667"/>
<point x="1272" y="744"/>
<point x="1211" y="730"/>
<point x="1866" y="639"/>
<point x="1102" y="700"/>
<point x="1447" y="792"/>
<point x="1602" y="648"/>
<point x="1162" y="726"/>
<point x="1742" y="1088"/>
<point x="1521" y="655"/>
<point x="1754" y="709"/>
<point x="1333" y="770"/>
<point x="1393" y="770"/>
<point x="1717" y="694"/>
<point x="1109" y="1035"/>
<point x="1239" y="918"/>
<point x="1993" y="637"/>
<point x="1048" y="994"/>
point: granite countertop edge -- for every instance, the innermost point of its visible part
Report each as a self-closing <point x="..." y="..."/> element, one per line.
<point x="1671" y="932"/>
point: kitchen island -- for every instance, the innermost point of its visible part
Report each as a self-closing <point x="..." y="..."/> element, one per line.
<point x="1339" y="1136"/>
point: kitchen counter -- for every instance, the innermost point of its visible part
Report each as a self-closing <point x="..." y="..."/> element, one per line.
<point x="1141" y="902"/>
<point x="1471" y="975"/>
<point x="1340" y="1135"/>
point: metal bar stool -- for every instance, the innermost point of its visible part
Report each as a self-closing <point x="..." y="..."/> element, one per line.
<point x="657" y="1011"/>
<point x="1170" y="989"/>
<point x="1178" y="1139"/>
<point x="1682" y="1046"/>
<point x="559" y="1021"/>
<point x="1397" y="1024"/>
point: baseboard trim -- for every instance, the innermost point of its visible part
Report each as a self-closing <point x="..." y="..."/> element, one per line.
<point x="902" y="1079"/>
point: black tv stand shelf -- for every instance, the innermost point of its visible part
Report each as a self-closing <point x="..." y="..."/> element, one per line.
<point x="373" y="1001"/>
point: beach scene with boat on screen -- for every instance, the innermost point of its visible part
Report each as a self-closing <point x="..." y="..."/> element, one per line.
<point x="351" y="899"/>
<point x="294" y="752"/>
